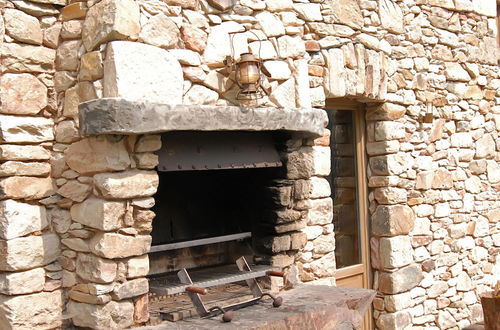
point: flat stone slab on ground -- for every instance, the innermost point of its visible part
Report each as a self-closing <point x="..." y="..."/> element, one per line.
<point x="304" y="307"/>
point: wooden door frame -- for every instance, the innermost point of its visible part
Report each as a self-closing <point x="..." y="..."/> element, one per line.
<point x="361" y="194"/>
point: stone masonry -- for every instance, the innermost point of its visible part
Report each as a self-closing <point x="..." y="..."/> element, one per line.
<point x="75" y="210"/>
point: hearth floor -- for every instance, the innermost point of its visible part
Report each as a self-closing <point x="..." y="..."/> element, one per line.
<point x="305" y="307"/>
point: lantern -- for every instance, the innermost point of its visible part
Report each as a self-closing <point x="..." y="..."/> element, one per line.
<point x="247" y="70"/>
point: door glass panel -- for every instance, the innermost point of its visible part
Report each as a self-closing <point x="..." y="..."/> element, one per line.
<point x="344" y="188"/>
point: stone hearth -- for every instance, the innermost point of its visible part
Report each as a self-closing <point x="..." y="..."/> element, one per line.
<point x="317" y="307"/>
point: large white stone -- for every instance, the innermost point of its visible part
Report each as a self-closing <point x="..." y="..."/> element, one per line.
<point x="28" y="252"/>
<point x="17" y="152"/>
<point x="92" y="268"/>
<point x="26" y="129"/>
<point x="271" y="24"/>
<point x="113" y="315"/>
<point x="395" y="251"/>
<point x="19" y="219"/>
<point x="309" y="11"/>
<point x="27" y="58"/>
<point x="22" y="282"/>
<point x="160" y="31"/>
<point x="128" y="184"/>
<point x="278" y="70"/>
<point x="23" y="27"/>
<point x="33" y="311"/>
<point x="309" y="161"/>
<point x="27" y="187"/>
<point x="110" y="20"/>
<point x="99" y="213"/>
<point x="138" y="71"/>
<point x="198" y="94"/>
<point x="218" y="46"/>
<point x="110" y="245"/>
<point x="284" y="95"/>
<point x="391" y="16"/>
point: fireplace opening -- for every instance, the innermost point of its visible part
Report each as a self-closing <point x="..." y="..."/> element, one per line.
<point x="208" y="218"/>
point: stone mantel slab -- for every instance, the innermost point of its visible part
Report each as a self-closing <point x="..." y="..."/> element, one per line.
<point x="121" y="116"/>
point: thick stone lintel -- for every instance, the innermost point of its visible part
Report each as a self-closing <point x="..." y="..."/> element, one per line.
<point x="120" y="116"/>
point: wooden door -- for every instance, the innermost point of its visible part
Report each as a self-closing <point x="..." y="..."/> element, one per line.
<point x="350" y="198"/>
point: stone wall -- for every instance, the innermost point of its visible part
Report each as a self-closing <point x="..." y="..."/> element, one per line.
<point x="68" y="203"/>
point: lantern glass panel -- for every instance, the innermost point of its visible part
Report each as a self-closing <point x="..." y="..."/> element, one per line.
<point x="247" y="73"/>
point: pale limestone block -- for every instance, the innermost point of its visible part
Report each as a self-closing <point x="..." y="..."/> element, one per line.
<point x="160" y="31"/>
<point x="278" y="70"/>
<point x="199" y="94"/>
<point x="383" y="147"/>
<point x="110" y="245"/>
<point x="308" y="162"/>
<point x="17" y="152"/>
<point x="391" y="16"/>
<point x="130" y="289"/>
<point x="128" y="184"/>
<point x="60" y="219"/>
<point x="22" y="282"/>
<point x="26" y="129"/>
<point x="19" y="219"/>
<point x="216" y="81"/>
<point x="401" y="280"/>
<point x="68" y="55"/>
<point x="309" y="11"/>
<point x="28" y="252"/>
<point x="98" y="213"/>
<point x="389" y="130"/>
<point x="392" y="220"/>
<point x="92" y="268"/>
<point x="324" y="244"/>
<point x="347" y="12"/>
<point x="113" y="315"/>
<point x="397" y="302"/>
<point x="278" y="5"/>
<point x="398" y="320"/>
<point x="148" y="143"/>
<point x="138" y="266"/>
<point x="284" y="95"/>
<point x="302" y="90"/>
<point x="395" y="251"/>
<point x="317" y="97"/>
<point x="270" y="24"/>
<point x="485" y="7"/>
<point x="324" y="266"/>
<point x="390" y="195"/>
<point x="151" y="74"/>
<point x="66" y="132"/>
<point x="473" y="185"/>
<point x="97" y="154"/>
<point x="186" y="56"/>
<point x="315" y="187"/>
<point x="320" y="212"/>
<point x="336" y="76"/>
<point x="36" y="9"/>
<point x="27" y="58"/>
<point x="11" y="168"/>
<point x="493" y="171"/>
<point x="44" y="311"/>
<point x="455" y="72"/>
<point x="485" y="147"/>
<point x="26" y="187"/>
<point x="293" y="47"/>
<point x="22" y="27"/>
<point x="218" y="46"/>
<point x="263" y="49"/>
<point x="89" y="298"/>
<point x="385" y="111"/>
<point x="22" y="94"/>
<point x="393" y="164"/>
<point x="110" y="20"/>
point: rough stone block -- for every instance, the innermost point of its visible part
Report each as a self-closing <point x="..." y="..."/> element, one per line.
<point x="130" y="289"/>
<point x="393" y="164"/>
<point x="398" y="320"/>
<point x="27" y="58"/>
<point x="392" y="220"/>
<point x="113" y="315"/>
<point x="128" y="184"/>
<point x="390" y="195"/>
<point x="19" y="219"/>
<point x="22" y="282"/>
<point x="26" y="187"/>
<point x="389" y="130"/>
<point x="91" y="66"/>
<point x="92" y="268"/>
<point x="28" y="252"/>
<point x="401" y="280"/>
<point x="33" y="311"/>
<point x="320" y="212"/>
<point x="395" y="251"/>
<point x="97" y="154"/>
<point x="110" y="20"/>
<point x="22" y="27"/>
<point x="110" y="245"/>
<point x="138" y="266"/>
<point x="22" y="94"/>
<point x="160" y="31"/>
<point x="99" y="213"/>
<point x="16" y="152"/>
<point x="26" y="129"/>
<point x="314" y="188"/>
<point x="308" y="162"/>
<point x="138" y="72"/>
